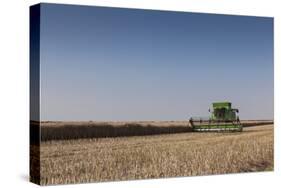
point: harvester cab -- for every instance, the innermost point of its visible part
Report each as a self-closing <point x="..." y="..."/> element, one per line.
<point x="223" y="118"/>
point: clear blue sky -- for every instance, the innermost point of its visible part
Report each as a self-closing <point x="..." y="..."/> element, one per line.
<point x="102" y="63"/>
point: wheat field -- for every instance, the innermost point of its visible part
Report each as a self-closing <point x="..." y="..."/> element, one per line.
<point x="155" y="156"/>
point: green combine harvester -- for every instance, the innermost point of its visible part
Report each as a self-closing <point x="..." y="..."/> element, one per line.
<point x="223" y="118"/>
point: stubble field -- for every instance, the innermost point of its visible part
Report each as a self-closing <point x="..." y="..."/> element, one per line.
<point x="155" y="156"/>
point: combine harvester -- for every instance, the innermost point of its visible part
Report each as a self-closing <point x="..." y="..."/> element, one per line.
<point x="223" y="119"/>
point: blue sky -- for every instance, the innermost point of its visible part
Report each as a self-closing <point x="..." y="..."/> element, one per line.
<point x="102" y="63"/>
